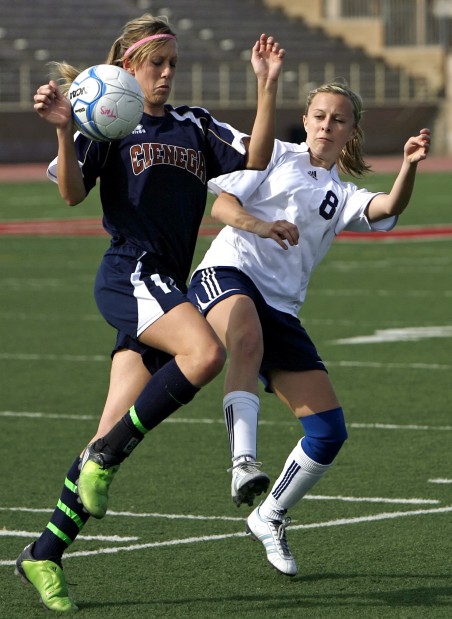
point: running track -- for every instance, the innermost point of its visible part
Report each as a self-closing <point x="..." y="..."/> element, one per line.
<point x="93" y="227"/>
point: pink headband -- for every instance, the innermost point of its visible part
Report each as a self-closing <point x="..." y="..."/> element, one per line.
<point x="145" y="40"/>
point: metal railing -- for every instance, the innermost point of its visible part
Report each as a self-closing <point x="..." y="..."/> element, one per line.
<point x="226" y="86"/>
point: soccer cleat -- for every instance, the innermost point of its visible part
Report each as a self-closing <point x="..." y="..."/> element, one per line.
<point x="247" y="480"/>
<point x="47" y="578"/>
<point x="272" y="534"/>
<point x="97" y="471"/>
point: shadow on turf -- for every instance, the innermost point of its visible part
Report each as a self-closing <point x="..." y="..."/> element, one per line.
<point x="437" y="597"/>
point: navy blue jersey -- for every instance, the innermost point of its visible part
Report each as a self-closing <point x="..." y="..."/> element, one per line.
<point x="153" y="183"/>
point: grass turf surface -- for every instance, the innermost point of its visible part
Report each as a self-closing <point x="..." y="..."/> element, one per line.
<point x="372" y="539"/>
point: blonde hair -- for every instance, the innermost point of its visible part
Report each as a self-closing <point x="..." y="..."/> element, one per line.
<point x="133" y="31"/>
<point x="351" y="159"/>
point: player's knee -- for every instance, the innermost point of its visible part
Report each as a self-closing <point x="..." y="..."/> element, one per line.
<point x="210" y="362"/>
<point x="217" y="359"/>
<point x="248" y="346"/>
<point x="325" y="433"/>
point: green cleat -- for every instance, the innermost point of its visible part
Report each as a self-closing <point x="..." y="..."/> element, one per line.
<point x="97" y="471"/>
<point x="48" y="579"/>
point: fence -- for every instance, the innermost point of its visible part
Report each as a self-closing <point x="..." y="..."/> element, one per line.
<point x="228" y="85"/>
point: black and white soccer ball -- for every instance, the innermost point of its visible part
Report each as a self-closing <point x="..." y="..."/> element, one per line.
<point x="107" y="102"/>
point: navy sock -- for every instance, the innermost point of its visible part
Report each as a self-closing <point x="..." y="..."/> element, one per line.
<point x="67" y="521"/>
<point x="165" y="392"/>
<point x="120" y="441"/>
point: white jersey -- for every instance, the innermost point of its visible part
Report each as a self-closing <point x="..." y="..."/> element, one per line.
<point x="291" y="188"/>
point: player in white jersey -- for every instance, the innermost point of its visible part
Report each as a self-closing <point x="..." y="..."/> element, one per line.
<point x="253" y="280"/>
<point x="292" y="189"/>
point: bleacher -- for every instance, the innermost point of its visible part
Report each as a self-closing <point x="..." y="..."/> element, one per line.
<point x="215" y="39"/>
<point x="81" y="33"/>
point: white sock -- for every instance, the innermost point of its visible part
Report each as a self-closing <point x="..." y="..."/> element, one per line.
<point x="241" y="412"/>
<point x="299" y="475"/>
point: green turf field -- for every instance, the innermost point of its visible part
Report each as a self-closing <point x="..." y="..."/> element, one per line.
<point x="373" y="538"/>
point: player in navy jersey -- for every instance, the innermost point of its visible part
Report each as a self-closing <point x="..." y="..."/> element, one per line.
<point x="253" y="280"/>
<point x="153" y="186"/>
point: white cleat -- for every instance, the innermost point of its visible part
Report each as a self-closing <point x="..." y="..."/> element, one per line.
<point x="248" y="481"/>
<point x="272" y="534"/>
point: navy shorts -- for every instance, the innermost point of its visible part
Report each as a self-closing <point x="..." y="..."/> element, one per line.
<point x="131" y="295"/>
<point x="287" y="346"/>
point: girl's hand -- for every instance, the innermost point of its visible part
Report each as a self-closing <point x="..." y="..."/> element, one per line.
<point x="416" y="149"/>
<point x="281" y="231"/>
<point x="267" y="58"/>
<point x="52" y="105"/>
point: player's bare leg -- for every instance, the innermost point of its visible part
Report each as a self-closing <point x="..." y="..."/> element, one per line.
<point x="237" y="323"/>
<point x="198" y="356"/>
<point x="128" y="377"/>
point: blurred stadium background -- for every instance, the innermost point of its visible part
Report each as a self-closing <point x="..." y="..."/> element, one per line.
<point x="397" y="54"/>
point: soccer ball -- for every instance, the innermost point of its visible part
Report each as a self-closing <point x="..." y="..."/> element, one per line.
<point x="107" y="102"/>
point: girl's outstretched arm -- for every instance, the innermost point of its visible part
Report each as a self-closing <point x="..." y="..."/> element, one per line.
<point x="395" y="202"/>
<point x="267" y="59"/>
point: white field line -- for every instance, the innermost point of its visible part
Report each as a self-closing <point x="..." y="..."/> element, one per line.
<point x="307" y="320"/>
<point x="354" y="499"/>
<point x="389" y="366"/>
<point x="211" y="538"/>
<point x="47" y="510"/>
<point x="51" y="318"/>
<point x="440" y="481"/>
<point x="52" y="357"/>
<point x="344" y="364"/>
<point x="395" y="426"/>
<point x="203" y="421"/>
<point x="378" y="292"/>
<point x="97" y="538"/>
<point x="312" y="497"/>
